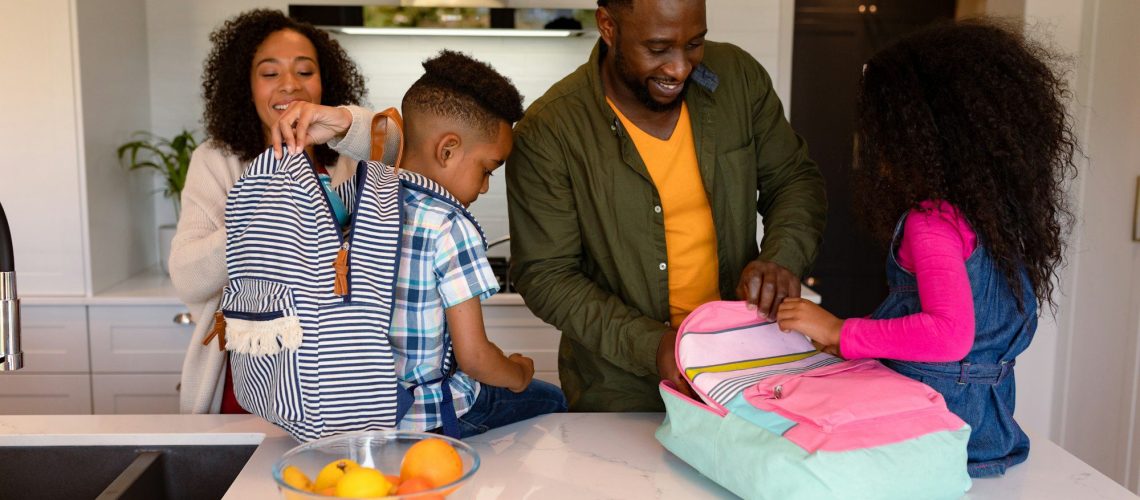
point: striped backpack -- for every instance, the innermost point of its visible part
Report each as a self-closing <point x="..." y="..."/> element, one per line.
<point x="308" y="306"/>
<point x="777" y="419"/>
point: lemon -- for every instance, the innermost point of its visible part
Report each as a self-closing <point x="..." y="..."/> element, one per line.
<point x="295" y="478"/>
<point x="331" y="474"/>
<point x="363" y="482"/>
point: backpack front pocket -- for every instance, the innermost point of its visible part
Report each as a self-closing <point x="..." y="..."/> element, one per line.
<point x="263" y="336"/>
<point x="852" y="404"/>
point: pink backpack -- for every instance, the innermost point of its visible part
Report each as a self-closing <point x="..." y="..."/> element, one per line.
<point x="778" y="419"/>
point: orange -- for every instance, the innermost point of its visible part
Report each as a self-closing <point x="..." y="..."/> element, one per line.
<point x="413" y="485"/>
<point x="395" y="480"/>
<point x="434" y="460"/>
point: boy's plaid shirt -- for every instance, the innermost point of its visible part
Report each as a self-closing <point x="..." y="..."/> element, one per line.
<point x="443" y="262"/>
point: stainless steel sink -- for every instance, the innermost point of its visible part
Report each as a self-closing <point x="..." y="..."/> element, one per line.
<point x="120" y="471"/>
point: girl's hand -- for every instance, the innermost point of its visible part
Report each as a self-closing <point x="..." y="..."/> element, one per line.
<point x="809" y="319"/>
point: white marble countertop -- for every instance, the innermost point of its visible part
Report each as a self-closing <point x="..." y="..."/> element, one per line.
<point x="153" y="288"/>
<point x="565" y="456"/>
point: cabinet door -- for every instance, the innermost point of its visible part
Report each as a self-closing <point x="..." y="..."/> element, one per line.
<point x="35" y="394"/>
<point x="515" y="329"/>
<point x="41" y="186"/>
<point x="54" y="339"/>
<point x="136" y="394"/>
<point x="133" y="339"/>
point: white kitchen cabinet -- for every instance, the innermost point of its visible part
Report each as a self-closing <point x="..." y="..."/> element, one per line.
<point x="514" y="329"/>
<point x="39" y="147"/>
<point x="137" y="339"/>
<point x="136" y="358"/>
<point x="135" y="394"/>
<point x="56" y="375"/>
<point x="80" y="222"/>
<point x="38" y="394"/>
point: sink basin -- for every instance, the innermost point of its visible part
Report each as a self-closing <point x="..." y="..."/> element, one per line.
<point x="185" y="471"/>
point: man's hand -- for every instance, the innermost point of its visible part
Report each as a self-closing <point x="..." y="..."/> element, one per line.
<point x="304" y="124"/>
<point x="667" y="364"/>
<point x="526" y="366"/>
<point x="764" y="285"/>
<point x="808" y="318"/>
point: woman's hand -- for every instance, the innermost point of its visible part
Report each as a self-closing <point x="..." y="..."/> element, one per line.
<point x="304" y="124"/>
<point x="806" y="317"/>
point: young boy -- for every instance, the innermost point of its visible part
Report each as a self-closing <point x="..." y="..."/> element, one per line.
<point x="457" y="132"/>
<point x="458" y="118"/>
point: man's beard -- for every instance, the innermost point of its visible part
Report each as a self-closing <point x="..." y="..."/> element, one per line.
<point x="641" y="89"/>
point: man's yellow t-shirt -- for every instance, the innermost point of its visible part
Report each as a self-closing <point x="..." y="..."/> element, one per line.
<point x="690" y="237"/>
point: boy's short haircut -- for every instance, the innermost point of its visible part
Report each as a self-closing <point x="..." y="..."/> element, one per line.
<point x="456" y="86"/>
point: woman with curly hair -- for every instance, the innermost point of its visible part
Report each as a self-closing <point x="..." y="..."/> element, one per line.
<point x="261" y="64"/>
<point x="963" y="131"/>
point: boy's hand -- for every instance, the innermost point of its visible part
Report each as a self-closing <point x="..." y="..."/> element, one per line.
<point x="526" y="366"/>
<point x="806" y="317"/>
<point x="305" y="123"/>
<point x="667" y="364"/>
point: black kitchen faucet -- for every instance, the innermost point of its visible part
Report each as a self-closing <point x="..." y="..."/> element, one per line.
<point x="11" y="356"/>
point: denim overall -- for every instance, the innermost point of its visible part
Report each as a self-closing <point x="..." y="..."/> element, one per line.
<point x="980" y="388"/>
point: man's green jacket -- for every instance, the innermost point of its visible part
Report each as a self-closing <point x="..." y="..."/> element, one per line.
<point x="587" y="228"/>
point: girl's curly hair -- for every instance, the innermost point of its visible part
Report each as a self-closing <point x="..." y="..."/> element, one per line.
<point x="230" y="116"/>
<point x="974" y="114"/>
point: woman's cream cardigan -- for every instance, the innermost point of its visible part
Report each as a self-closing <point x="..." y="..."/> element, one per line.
<point x="198" y="253"/>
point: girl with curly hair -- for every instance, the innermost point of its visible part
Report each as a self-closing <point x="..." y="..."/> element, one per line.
<point x="262" y="64"/>
<point x="963" y="131"/>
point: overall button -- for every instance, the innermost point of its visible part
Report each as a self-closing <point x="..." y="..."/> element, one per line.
<point x="657" y="209"/>
<point x="661" y="266"/>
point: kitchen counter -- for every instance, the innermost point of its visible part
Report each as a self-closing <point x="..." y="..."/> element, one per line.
<point x="153" y="288"/>
<point x="571" y="456"/>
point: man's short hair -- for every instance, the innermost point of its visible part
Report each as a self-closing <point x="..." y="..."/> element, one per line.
<point x="615" y="4"/>
<point x="456" y="86"/>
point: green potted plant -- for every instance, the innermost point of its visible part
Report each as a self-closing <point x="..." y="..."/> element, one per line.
<point x="171" y="158"/>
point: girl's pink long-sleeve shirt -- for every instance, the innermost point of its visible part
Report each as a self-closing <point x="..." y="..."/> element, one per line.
<point x="935" y="244"/>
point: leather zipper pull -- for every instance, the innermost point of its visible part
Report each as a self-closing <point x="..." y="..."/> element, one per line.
<point x="219" y="331"/>
<point x="340" y="284"/>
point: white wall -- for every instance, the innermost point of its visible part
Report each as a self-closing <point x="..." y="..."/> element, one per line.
<point x="177" y="43"/>
<point x="1096" y="334"/>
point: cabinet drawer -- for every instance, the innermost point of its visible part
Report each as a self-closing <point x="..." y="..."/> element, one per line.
<point x="516" y="329"/>
<point x="149" y="394"/>
<point x="54" y="339"/>
<point x="126" y="339"/>
<point x="23" y="394"/>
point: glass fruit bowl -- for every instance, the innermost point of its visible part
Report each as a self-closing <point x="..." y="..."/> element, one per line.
<point x="431" y="471"/>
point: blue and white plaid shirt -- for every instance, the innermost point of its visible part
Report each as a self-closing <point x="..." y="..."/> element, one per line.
<point x="443" y="262"/>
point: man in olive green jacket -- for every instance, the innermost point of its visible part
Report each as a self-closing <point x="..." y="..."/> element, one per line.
<point x="587" y="230"/>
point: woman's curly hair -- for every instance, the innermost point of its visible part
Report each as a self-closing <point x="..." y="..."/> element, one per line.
<point x="973" y="114"/>
<point x="230" y="116"/>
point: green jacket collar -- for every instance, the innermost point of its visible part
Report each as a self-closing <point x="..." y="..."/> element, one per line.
<point x="703" y="76"/>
